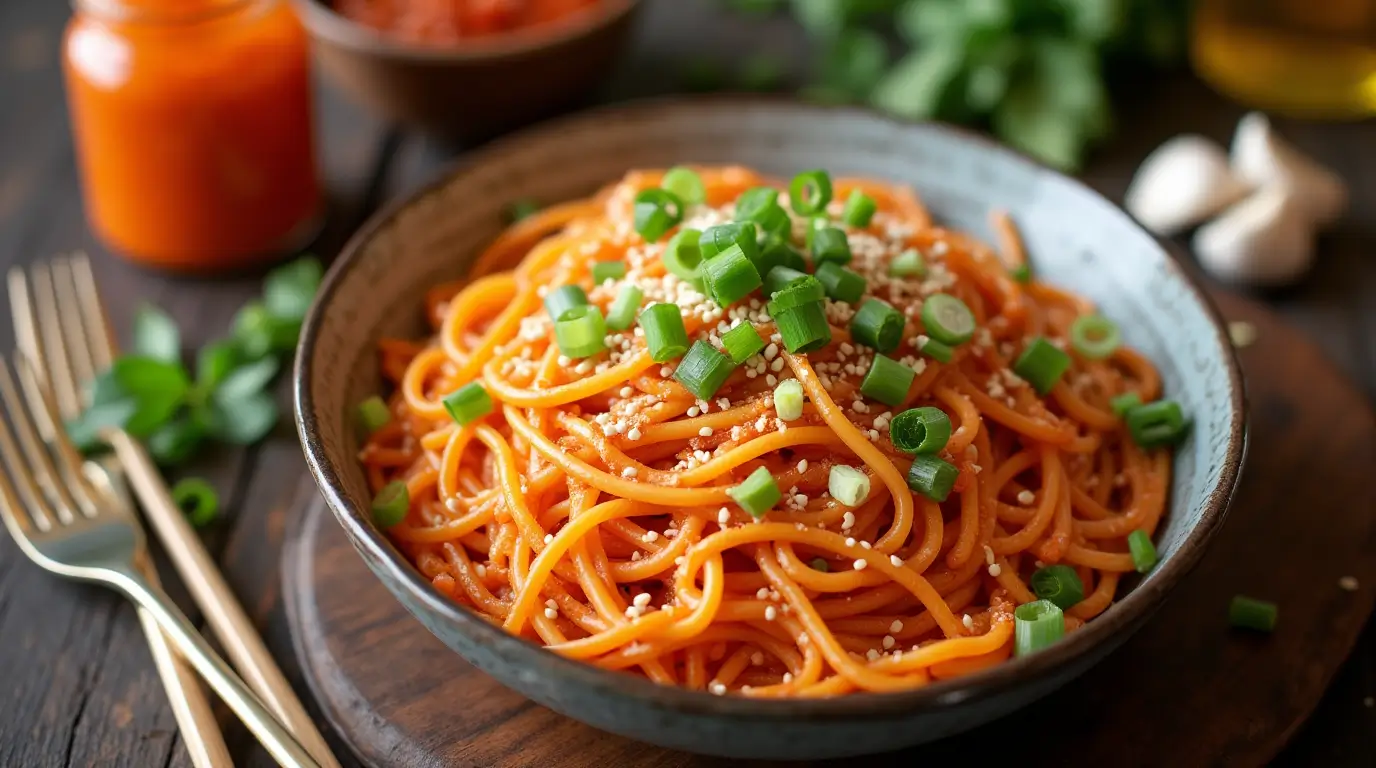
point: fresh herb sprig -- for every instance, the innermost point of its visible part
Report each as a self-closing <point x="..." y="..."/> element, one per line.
<point x="153" y="395"/>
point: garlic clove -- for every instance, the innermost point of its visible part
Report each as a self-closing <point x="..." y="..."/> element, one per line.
<point x="1265" y="240"/>
<point x="1181" y="183"/>
<point x="1261" y="157"/>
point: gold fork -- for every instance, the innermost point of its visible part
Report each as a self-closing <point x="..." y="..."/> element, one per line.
<point x="74" y="344"/>
<point x="200" y="731"/>
<point x="64" y="525"/>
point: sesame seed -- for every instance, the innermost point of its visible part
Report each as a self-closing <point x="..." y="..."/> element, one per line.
<point x="564" y="361"/>
<point x="762" y="593"/>
<point x="771" y="613"/>
<point x="717" y="688"/>
<point x="641" y="600"/>
<point x="850" y="542"/>
<point x="551" y="604"/>
<point x="861" y="565"/>
<point x="635" y="556"/>
<point x="896" y="561"/>
<point x="723" y="516"/>
<point x="847" y="520"/>
<point x="634" y="433"/>
<point x="693" y="411"/>
<point x="865" y="545"/>
<point x="1348" y="583"/>
<point x="1026" y="497"/>
<point x="481" y="570"/>
<point x="896" y="626"/>
<point x="551" y="613"/>
<point x="630" y="472"/>
<point x="995" y="570"/>
<point x="665" y="371"/>
<point x="802" y="466"/>
<point x="705" y="432"/>
<point x="627" y="391"/>
<point x="872" y="655"/>
<point x="888" y="642"/>
<point x="788" y="678"/>
<point x="652" y="536"/>
<point x="757" y="658"/>
<point x="988" y="555"/>
<point x="549" y="539"/>
<point x="967" y="621"/>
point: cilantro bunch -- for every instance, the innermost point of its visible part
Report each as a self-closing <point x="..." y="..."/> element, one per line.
<point x="1033" y="71"/>
<point x="175" y="410"/>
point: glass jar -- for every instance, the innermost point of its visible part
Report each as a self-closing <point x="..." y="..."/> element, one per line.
<point x="193" y="128"/>
<point x="1313" y="58"/>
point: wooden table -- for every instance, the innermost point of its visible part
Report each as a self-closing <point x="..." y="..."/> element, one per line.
<point x="77" y="687"/>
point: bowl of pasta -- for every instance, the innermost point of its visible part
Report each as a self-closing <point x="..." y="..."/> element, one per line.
<point x="776" y="430"/>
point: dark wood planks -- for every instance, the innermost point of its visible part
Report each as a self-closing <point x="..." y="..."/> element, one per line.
<point x="1184" y="691"/>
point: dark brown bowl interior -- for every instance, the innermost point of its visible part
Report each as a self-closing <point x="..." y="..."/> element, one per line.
<point x="476" y="89"/>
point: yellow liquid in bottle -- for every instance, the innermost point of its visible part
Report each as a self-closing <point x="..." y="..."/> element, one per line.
<point x="1312" y="58"/>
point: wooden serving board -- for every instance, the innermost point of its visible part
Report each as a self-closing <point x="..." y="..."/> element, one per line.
<point x="1186" y="690"/>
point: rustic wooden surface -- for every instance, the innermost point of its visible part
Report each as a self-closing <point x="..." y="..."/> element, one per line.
<point x="79" y="687"/>
<point x="400" y="697"/>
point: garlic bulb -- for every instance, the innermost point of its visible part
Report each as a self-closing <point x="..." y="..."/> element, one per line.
<point x="1265" y="240"/>
<point x="1261" y="157"/>
<point x="1181" y="183"/>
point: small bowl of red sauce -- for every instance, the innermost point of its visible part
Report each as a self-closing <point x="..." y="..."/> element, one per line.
<point x="467" y="69"/>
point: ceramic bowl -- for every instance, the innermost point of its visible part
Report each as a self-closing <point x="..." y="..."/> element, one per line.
<point x="1076" y="239"/>
<point x="473" y="89"/>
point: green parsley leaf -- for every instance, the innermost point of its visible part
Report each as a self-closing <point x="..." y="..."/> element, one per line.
<point x="854" y="63"/>
<point x="176" y="441"/>
<point x="247" y="380"/>
<point x="156" y="334"/>
<point x="157" y="388"/>
<point x="925" y="83"/>
<point x="289" y="289"/>
<point x="258" y="332"/>
<point x="214" y="362"/>
<point x="85" y="429"/>
<point x="1031" y="121"/>
<point x="245" y="420"/>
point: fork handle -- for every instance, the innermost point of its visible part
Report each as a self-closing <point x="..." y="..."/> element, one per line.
<point x="283" y="747"/>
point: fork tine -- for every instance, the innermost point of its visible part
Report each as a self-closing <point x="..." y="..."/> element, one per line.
<point x="100" y="345"/>
<point x="25" y="323"/>
<point x="57" y="371"/>
<point x="71" y="325"/>
<point x="38" y="509"/>
<point x="39" y="462"/>
<point x="44" y="410"/>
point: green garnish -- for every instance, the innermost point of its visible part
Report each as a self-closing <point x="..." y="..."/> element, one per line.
<point x="197" y="500"/>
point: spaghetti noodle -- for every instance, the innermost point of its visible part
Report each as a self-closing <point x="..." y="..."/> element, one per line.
<point x="596" y="505"/>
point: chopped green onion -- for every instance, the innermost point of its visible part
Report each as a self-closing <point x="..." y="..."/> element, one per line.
<point x="1042" y="364"/>
<point x="773" y="221"/>
<point x="742" y="342"/>
<point x="803" y="328"/>
<point x="807" y="290"/>
<point x="859" y="209"/>
<point x="830" y="244"/>
<point x="1021" y="274"/>
<point x="703" y="370"/>
<point x="936" y="350"/>
<point x="522" y="209"/>
<point x="1123" y="403"/>
<point x="755" y="201"/>
<point x="581" y="332"/>
<point x="758" y="494"/>
<point x="848" y="485"/>
<point x="391" y="503"/>
<point x="947" y="319"/>
<point x="468" y="403"/>
<point x="683" y="257"/>
<point x="932" y="477"/>
<point x="777" y="251"/>
<point x="720" y="237"/>
<point x="1250" y="613"/>
<point x="665" y="335"/>
<point x="1036" y="625"/>
<point x="1058" y="583"/>
<point x="908" y="264"/>
<point x="1143" y="551"/>
<point x="788" y="400"/>
<point x="780" y="278"/>
<point x="562" y="299"/>
<point x="622" y="313"/>
<point x="877" y="324"/>
<point x="656" y="212"/>
<point x="887" y="381"/>
<point x="1156" y="424"/>
<point x="602" y="271"/>
<point x="1095" y="337"/>
<point x="371" y="415"/>
<point x="810" y="192"/>
<point x="820" y="564"/>
<point x="197" y="500"/>
<point x="686" y="184"/>
<point x="920" y="430"/>
<point x="815" y="225"/>
<point x="840" y="283"/>
<point x="729" y="276"/>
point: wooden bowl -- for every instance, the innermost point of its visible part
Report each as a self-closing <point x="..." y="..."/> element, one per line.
<point x="473" y="89"/>
<point x="1076" y="239"/>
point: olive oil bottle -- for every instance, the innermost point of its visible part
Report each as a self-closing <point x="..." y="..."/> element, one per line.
<point x="1309" y="58"/>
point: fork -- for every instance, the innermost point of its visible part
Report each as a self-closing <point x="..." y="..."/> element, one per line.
<point x="201" y="734"/>
<point x="74" y="531"/>
<point x="71" y="345"/>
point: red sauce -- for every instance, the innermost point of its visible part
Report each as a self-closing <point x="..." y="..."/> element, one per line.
<point x="449" y="21"/>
